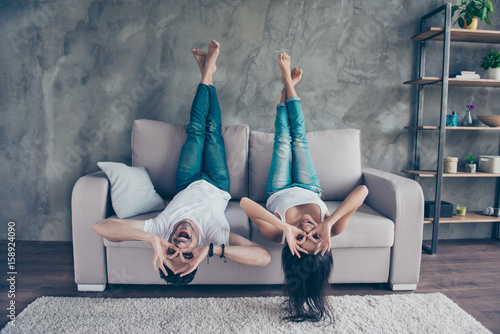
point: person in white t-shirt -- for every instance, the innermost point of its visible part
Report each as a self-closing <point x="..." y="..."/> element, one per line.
<point x="296" y="213"/>
<point x="193" y="225"/>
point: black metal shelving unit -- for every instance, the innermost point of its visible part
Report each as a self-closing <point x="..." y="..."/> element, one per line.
<point x="446" y="35"/>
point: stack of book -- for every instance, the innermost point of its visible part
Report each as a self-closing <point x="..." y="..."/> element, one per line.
<point x="465" y="75"/>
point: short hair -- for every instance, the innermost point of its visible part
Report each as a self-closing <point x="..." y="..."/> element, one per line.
<point x="305" y="282"/>
<point x="176" y="279"/>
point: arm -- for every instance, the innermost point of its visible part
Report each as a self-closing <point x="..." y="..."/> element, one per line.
<point x="258" y="215"/>
<point x="338" y="220"/>
<point x="401" y="200"/>
<point x="263" y="218"/>
<point x="90" y="202"/>
<point x="116" y="230"/>
<point x="244" y="251"/>
<point x="122" y="230"/>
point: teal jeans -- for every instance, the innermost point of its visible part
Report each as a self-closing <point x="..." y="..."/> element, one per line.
<point x="291" y="164"/>
<point x="203" y="156"/>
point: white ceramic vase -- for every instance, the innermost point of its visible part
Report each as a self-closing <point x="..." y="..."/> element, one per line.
<point x="493" y="73"/>
<point x="470" y="168"/>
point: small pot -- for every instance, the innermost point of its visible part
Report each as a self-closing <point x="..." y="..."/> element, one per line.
<point x="473" y="25"/>
<point x="470" y="168"/>
<point x="493" y="73"/>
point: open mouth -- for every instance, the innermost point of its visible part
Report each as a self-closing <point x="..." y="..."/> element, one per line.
<point x="183" y="235"/>
<point x="305" y="222"/>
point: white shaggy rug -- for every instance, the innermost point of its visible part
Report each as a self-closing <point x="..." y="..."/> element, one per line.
<point x="398" y="313"/>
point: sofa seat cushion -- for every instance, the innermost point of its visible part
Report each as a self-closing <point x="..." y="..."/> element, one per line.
<point x="367" y="229"/>
<point x="236" y="217"/>
<point x="336" y="155"/>
<point x="157" y="146"/>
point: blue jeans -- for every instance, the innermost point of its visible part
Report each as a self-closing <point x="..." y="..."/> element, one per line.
<point x="203" y="156"/>
<point x="291" y="165"/>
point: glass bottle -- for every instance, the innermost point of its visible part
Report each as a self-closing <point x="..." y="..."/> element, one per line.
<point x="467" y="121"/>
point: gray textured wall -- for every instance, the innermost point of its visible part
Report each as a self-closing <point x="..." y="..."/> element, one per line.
<point x="76" y="73"/>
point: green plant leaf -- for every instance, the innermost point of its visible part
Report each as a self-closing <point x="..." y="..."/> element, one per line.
<point x="491" y="60"/>
<point x="484" y="13"/>
<point x="489" y="5"/>
<point x="461" y="22"/>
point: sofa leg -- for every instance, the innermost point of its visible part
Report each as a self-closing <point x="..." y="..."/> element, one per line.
<point x="91" y="287"/>
<point x="403" y="287"/>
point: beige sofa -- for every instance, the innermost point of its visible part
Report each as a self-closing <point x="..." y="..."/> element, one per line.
<point x="382" y="243"/>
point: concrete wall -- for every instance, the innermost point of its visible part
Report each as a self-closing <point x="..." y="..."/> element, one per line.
<point x="76" y="73"/>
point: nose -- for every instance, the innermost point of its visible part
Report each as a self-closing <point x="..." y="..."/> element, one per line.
<point x="307" y="228"/>
<point x="181" y="245"/>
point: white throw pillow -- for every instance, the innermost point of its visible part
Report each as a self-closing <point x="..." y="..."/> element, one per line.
<point x="132" y="191"/>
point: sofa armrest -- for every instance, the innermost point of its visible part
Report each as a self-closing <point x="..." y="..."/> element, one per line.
<point x="90" y="202"/>
<point x="401" y="200"/>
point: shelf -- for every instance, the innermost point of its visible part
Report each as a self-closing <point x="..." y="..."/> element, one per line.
<point x="460" y="35"/>
<point x="470" y="217"/>
<point x="448" y="36"/>
<point x="455" y="82"/>
<point x="466" y="128"/>
<point x="432" y="173"/>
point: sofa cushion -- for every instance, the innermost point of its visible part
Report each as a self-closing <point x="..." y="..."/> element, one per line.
<point x="366" y="229"/>
<point x="336" y="155"/>
<point x="157" y="146"/>
<point x="132" y="192"/>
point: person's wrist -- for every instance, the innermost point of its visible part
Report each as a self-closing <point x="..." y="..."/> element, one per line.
<point x="330" y="224"/>
<point x="217" y="250"/>
<point x="151" y="238"/>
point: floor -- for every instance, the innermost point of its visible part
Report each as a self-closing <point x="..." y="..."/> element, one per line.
<point x="467" y="271"/>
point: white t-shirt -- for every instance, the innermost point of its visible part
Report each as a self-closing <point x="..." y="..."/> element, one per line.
<point x="201" y="202"/>
<point x="284" y="199"/>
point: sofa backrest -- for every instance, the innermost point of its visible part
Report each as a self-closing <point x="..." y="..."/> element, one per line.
<point x="157" y="146"/>
<point x="336" y="155"/>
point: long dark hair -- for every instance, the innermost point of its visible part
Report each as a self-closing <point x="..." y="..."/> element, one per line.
<point x="305" y="281"/>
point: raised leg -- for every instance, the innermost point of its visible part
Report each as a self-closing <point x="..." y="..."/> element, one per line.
<point x="303" y="171"/>
<point x="190" y="166"/>
<point x="280" y="172"/>
<point x="214" y="158"/>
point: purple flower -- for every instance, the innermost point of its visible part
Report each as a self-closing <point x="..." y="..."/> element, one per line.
<point x="471" y="107"/>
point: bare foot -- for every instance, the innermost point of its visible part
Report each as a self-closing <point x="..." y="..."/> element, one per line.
<point x="212" y="54"/>
<point x="200" y="57"/>
<point x="286" y="76"/>
<point x="296" y="75"/>
<point x="284" y="64"/>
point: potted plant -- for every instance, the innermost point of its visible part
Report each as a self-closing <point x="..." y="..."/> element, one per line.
<point x="471" y="11"/>
<point x="491" y="64"/>
<point x="470" y="166"/>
